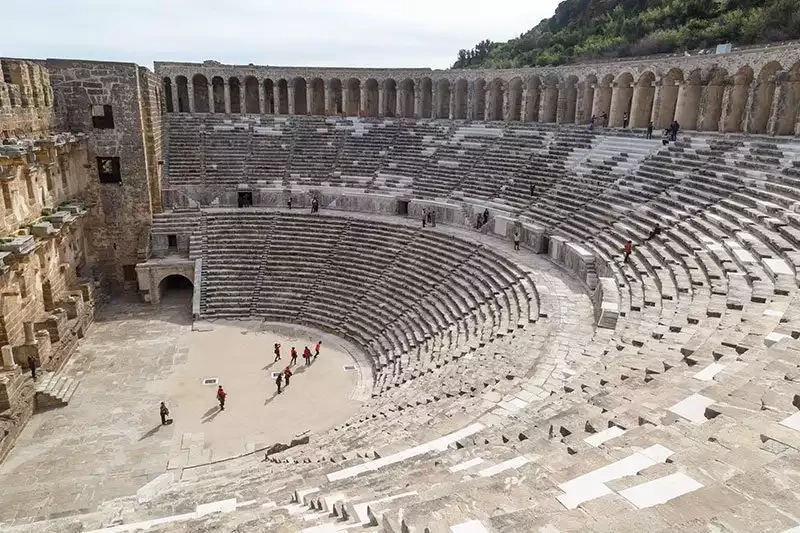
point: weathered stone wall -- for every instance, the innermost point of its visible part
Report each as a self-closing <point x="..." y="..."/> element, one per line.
<point x="26" y="99"/>
<point x="150" y="95"/>
<point x="120" y="213"/>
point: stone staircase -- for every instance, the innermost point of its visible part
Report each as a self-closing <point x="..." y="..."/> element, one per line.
<point x="54" y="390"/>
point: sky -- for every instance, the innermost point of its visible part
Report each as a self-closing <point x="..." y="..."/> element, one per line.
<point x="345" y="33"/>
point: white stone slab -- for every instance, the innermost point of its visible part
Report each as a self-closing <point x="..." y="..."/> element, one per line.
<point x="773" y="338"/>
<point x="151" y="489"/>
<point x="708" y="373"/>
<point x="438" y="445"/>
<point x="360" y="509"/>
<point x="692" y="408"/>
<point x="793" y="530"/>
<point x="222" y="506"/>
<point x="772" y="313"/>
<point x="592" y="485"/>
<point x="793" y="422"/>
<point x="473" y="526"/>
<point x="660" y="490"/>
<point x="778" y="267"/>
<point x="741" y="254"/>
<point x="606" y="435"/>
<point x="322" y="528"/>
<point x="516" y="462"/>
<point x="466" y="465"/>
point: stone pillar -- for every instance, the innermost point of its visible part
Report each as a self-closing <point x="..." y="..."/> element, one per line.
<point x="290" y="91"/>
<point x="399" y="96"/>
<point x="309" y="99"/>
<point x="175" y="104"/>
<point x="227" y="88"/>
<point x="276" y="98"/>
<point x="435" y="111"/>
<point x="362" y="104"/>
<point x="505" y="116"/>
<point x="30" y="333"/>
<point x="710" y="108"/>
<point x="561" y="105"/>
<point x="452" y="110"/>
<point x="417" y="98"/>
<point x="750" y="106"/>
<point x="471" y="100"/>
<point x="190" y="92"/>
<point x="8" y="358"/>
<point x="381" y="100"/>
<point x="779" y="105"/>
<point x="211" y="98"/>
<point x="345" y="99"/>
<point x="655" y="113"/>
<point x="262" y="101"/>
<point x="580" y="108"/>
<point x="328" y="110"/>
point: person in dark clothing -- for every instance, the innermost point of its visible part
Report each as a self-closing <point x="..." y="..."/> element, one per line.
<point x="625" y="119"/>
<point x="314" y="205"/>
<point x="665" y="137"/>
<point x="424" y="217"/>
<point x="649" y="130"/>
<point x="294" y="356"/>
<point x="221" y="395"/>
<point x="307" y="356"/>
<point x="604" y="118"/>
<point x="433" y="218"/>
<point x="289" y="203"/>
<point x="277" y="353"/>
<point x="32" y="366"/>
<point x="673" y="130"/>
<point x="516" y="240"/>
<point x="479" y="223"/>
<point x="654" y="232"/>
<point x="164" y="414"/>
<point x="278" y="381"/>
<point x="627" y="250"/>
<point x="485" y="216"/>
<point x="533" y="189"/>
<point x="287" y="373"/>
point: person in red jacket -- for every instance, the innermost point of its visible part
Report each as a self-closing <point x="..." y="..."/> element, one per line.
<point x="307" y="356"/>
<point x="316" y="349"/>
<point x="221" y="394"/>
<point x="294" y="356"/>
<point x="628" y="249"/>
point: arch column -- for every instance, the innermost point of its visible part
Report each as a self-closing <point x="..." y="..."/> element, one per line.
<point x="398" y="96"/>
<point x="749" y="106"/>
<point x="211" y="96"/>
<point x="452" y="107"/>
<point x="381" y="100"/>
<point x="226" y="85"/>
<point x="362" y="103"/>
<point x="290" y="92"/>
<point x="309" y="98"/>
<point x="639" y="114"/>
<point x="658" y="95"/>
<point x="471" y="100"/>
<point x="435" y="111"/>
<point x="327" y="90"/>
<point x="262" y="104"/>
<point x="505" y="117"/>
<point x="621" y="96"/>
<point x="190" y="88"/>
<point x="580" y="111"/>
<point x="710" y="108"/>
<point x="345" y="97"/>
<point x="276" y="97"/>
<point x="779" y="102"/>
<point x="687" y="106"/>
<point x="561" y="104"/>
<point x="175" y="105"/>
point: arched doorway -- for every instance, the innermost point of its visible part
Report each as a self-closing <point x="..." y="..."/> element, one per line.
<point x="390" y="97"/>
<point x="175" y="288"/>
<point x="642" y="104"/>
<point x="621" y="95"/>
<point x="218" y="87"/>
<point x="335" y="105"/>
<point x="200" y="88"/>
<point x="352" y="105"/>
<point x="372" y="98"/>
<point x="462" y="92"/>
<point x="514" y="100"/>
<point x="300" y="98"/>
<point x="427" y="97"/>
<point x="317" y="96"/>
<point x="252" y="104"/>
<point x="235" y="95"/>
<point x="183" y="94"/>
<point x="443" y="98"/>
<point x="168" y="95"/>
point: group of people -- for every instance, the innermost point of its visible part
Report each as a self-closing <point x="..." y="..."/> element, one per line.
<point x="428" y="217"/>
<point x="285" y="376"/>
<point x="671" y="133"/>
<point x="627" y="249"/>
<point x="483" y="219"/>
<point x="314" y="204"/>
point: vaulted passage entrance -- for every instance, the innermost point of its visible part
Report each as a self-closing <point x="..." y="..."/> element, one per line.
<point x="174" y="288"/>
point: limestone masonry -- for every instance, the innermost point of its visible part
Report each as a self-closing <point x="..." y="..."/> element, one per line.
<point x="564" y="387"/>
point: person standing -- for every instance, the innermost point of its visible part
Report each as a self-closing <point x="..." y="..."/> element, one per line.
<point x="32" y="366"/>
<point x="627" y="249"/>
<point x="650" y="130"/>
<point x="164" y="414"/>
<point x="625" y="120"/>
<point x="277" y="352"/>
<point x="294" y="356"/>
<point x="307" y="355"/>
<point x="221" y="395"/>
<point x="278" y="381"/>
<point x="316" y="349"/>
<point x="287" y="373"/>
<point x="424" y="216"/>
<point x="516" y="240"/>
<point x="289" y="203"/>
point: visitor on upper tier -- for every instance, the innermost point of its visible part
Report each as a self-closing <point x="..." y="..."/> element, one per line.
<point x="289" y="202"/>
<point x="533" y="189"/>
<point x="314" y="205"/>
<point x="604" y="119"/>
<point x="654" y="232"/>
<point x="649" y="130"/>
<point x="478" y="224"/>
<point x="424" y="217"/>
<point x="665" y="137"/>
<point x="625" y="119"/>
<point x="674" y="127"/>
<point x="627" y="249"/>
<point x="516" y="240"/>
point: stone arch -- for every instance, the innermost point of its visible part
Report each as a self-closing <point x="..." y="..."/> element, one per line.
<point x="549" y="104"/>
<point x="621" y="96"/>
<point x="235" y="91"/>
<point x="283" y="97"/>
<point x="790" y="100"/>
<point x="175" y="284"/>
<point x="665" y="111"/>
<point x="587" y="98"/>
<point x="218" y="88"/>
<point x="443" y="98"/>
<point x="251" y="97"/>
<point x="372" y="95"/>
<point x="335" y="103"/>
<point x="353" y="104"/>
<point x="317" y="97"/>
<point x="300" y="96"/>
<point x="533" y="99"/>
<point x="182" y="85"/>
<point x="406" y="99"/>
<point x="200" y="89"/>
<point x="514" y="100"/>
<point x="167" y="84"/>
<point x="269" y="97"/>
<point x="689" y="100"/>
<point x="479" y="99"/>
<point x="642" y="102"/>
<point x="494" y="105"/>
<point x="711" y="98"/>
<point x="461" y="99"/>
<point x="389" y="98"/>
<point x="602" y="98"/>
<point x="426" y="97"/>
<point x="733" y="112"/>
<point x="762" y="98"/>
<point x="570" y="98"/>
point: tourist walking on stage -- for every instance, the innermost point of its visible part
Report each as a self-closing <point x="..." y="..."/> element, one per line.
<point x="627" y="249"/>
<point x="32" y="366"/>
<point x="277" y="352"/>
<point x="307" y="356"/>
<point x="164" y="414"/>
<point x="516" y="240"/>
<point x="221" y="394"/>
<point x="287" y="373"/>
<point x="278" y="381"/>
<point x="649" y="130"/>
<point x="294" y="356"/>
<point x="316" y="349"/>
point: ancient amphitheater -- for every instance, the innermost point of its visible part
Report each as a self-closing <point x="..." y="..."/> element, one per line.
<point x="159" y="238"/>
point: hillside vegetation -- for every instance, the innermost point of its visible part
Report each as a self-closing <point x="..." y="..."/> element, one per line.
<point x="590" y="29"/>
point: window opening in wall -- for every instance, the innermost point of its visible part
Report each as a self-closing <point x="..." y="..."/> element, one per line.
<point x="7" y="203"/>
<point x="108" y="170"/>
<point x="129" y="272"/>
<point x="245" y="199"/>
<point x="172" y="241"/>
<point x="102" y="117"/>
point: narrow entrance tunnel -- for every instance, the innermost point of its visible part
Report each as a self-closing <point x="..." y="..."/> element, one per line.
<point x="175" y="288"/>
